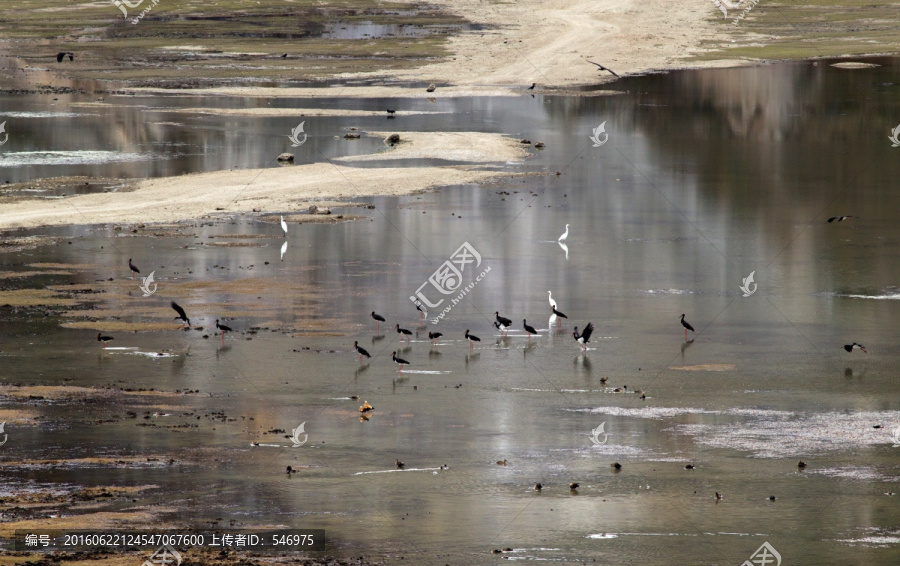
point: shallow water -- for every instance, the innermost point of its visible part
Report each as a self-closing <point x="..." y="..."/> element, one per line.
<point x="705" y="177"/>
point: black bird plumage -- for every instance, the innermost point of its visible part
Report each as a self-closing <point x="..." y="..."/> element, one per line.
<point x="557" y="313"/>
<point x="132" y="267"/>
<point x="399" y="361"/>
<point x="839" y="218"/>
<point x="434" y="336"/>
<point x="532" y="86"/>
<point x="585" y="335"/>
<point x="528" y="328"/>
<point x="403" y="332"/>
<point x="181" y="314"/>
<point x="472" y="337"/>
<point x="602" y="68"/>
<point x="360" y="350"/>
<point x="377" y="317"/>
<point x="222" y="327"/>
<point x="685" y="324"/>
<point x="503" y="320"/>
<point x="101" y="338"/>
<point x="849" y="347"/>
<point x="62" y="54"/>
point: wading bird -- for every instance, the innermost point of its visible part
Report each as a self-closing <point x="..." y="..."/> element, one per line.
<point x="550" y="298"/>
<point x="223" y="328"/>
<point x="390" y="113"/>
<point x="284" y="225"/>
<point x="399" y="361"/>
<point x="472" y="339"/>
<point x="529" y="329"/>
<point x="433" y="336"/>
<point x="404" y="333"/>
<point x="501" y="327"/>
<point x="361" y="351"/>
<point x="400" y="465"/>
<point x="584" y="337"/>
<point x="602" y="68"/>
<point x="558" y="315"/>
<point x="103" y="339"/>
<point x="502" y="322"/>
<point x="61" y="54"/>
<point x="562" y="239"/>
<point x="133" y="268"/>
<point x="378" y="319"/>
<point x="850" y="347"/>
<point x="839" y="218"/>
<point x="181" y="314"/>
<point x="532" y="86"/>
<point x="686" y="326"/>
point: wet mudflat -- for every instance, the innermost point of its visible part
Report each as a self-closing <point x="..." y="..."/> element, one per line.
<point x="704" y="178"/>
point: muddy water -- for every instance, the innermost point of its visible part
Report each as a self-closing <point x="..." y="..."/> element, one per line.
<point x="704" y="178"/>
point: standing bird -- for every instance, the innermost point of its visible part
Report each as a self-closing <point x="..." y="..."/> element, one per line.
<point x="103" y="339"/>
<point x="550" y="298"/>
<point x="400" y="464"/>
<point x="502" y="322"/>
<point x="361" y="351"/>
<point x="532" y="86"/>
<point x="133" y="268"/>
<point x="284" y="225"/>
<point x="839" y="218"/>
<point x="602" y="68"/>
<point x="559" y="316"/>
<point x="404" y="333"/>
<point x="223" y="328"/>
<point x="399" y="361"/>
<point x="378" y="319"/>
<point x="850" y="347"/>
<point x="562" y="239"/>
<point x="584" y="337"/>
<point x="472" y="339"/>
<point x="61" y="54"/>
<point x="686" y="326"/>
<point x="501" y="327"/>
<point x="529" y="329"/>
<point x="433" y="336"/>
<point x="390" y="113"/>
<point x="181" y="314"/>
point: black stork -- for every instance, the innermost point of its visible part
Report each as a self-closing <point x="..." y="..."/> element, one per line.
<point x="500" y="327"/>
<point x="399" y="361"/>
<point x="103" y="339"/>
<point x="223" y="328"/>
<point x="181" y="314"/>
<point x="686" y="326"/>
<point x="472" y="339"/>
<point x="602" y="68"/>
<point x="850" y="347"/>
<point x="503" y="323"/>
<point x="433" y="336"/>
<point x="399" y="464"/>
<point x="390" y="113"/>
<point x="404" y="333"/>
<point x="559" y="316"/>
<point x="378" y="319"/>
<point x="62" y="54"/>
<point x="839" y="218"/>
<point x="529" y="329"/>
<point x="133" y="269"/>
<point x="584" y="337"/>
<point x="361" y="351"/>
<point x="532" y="86"/>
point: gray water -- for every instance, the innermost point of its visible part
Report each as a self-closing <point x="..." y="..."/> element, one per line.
<point x="706" y="177"/>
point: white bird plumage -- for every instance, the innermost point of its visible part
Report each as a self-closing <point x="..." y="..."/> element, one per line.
<point x="550" y="298"/>
<point x="564" y="235"/>
<point x="283" y="225"/>
<point x="283" y="249"/>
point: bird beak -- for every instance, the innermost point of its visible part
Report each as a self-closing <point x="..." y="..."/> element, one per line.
<point x="863" y="349"/>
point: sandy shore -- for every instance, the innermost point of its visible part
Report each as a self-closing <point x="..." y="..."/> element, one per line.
<point x="289" y="188"/>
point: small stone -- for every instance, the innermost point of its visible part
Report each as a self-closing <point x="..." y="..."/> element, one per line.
<point x="286" y="157"/>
